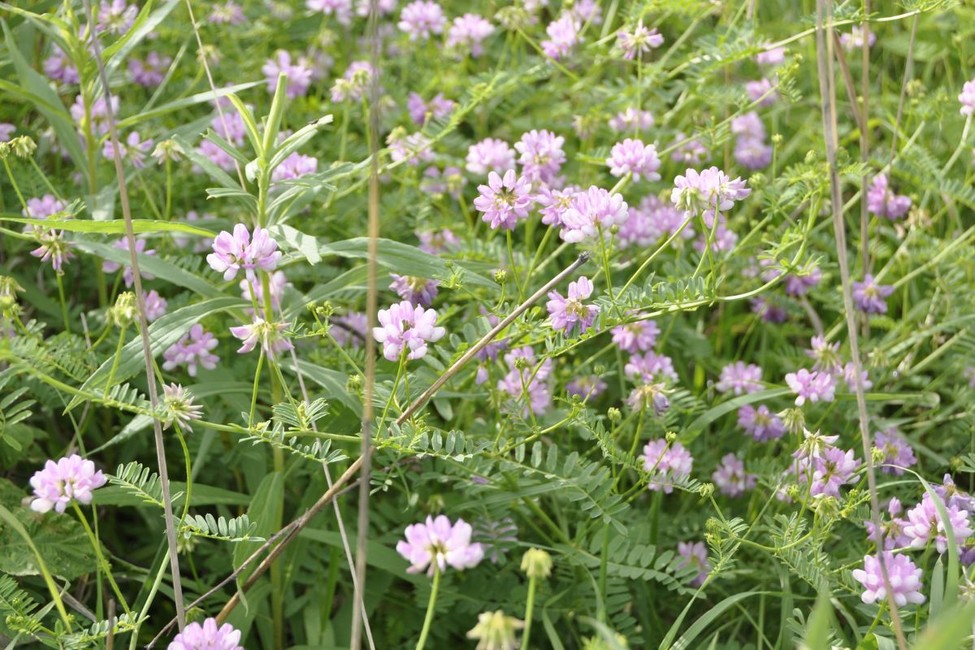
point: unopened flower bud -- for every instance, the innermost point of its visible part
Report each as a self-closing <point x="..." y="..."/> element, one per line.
<point x="494" y="630"/>
<point x="793" y="419"/>
<point x="124" y="311"/>
<point x="706" y="490"/>
<point x="536" y="563"/>
<point x="23" y="146"/>
<point x="671" y="437"/>
<point x="500" y="276"/>
<point x="167" y="150"/>
<point x="613" y="414"/>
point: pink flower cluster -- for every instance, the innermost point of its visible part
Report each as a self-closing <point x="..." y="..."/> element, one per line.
<point x="904" y="579"/>
<point x="667" y="463"/>
<point x="437" y="543"/>
<point x="238" y="251"/>
<point x="882" y="201"/>
<point x="207" y="636"/>
<point x="59" y="483"/>
<point x="195" y="348"/>
<point x="568" y="313"/>
<point x="405" y="327"/>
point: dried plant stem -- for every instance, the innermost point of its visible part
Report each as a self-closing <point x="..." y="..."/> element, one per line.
<point x="824" y="58"/>
<point x="362" y="519"/>
<point x="143" y="329"/>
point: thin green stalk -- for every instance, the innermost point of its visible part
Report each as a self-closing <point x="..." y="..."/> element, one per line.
<point x="257" y="383"/>
<point x="428" y="619"/>
<point x="529" y="611"/>
<point x="115" y="360"/>
<point x="64" y="302"/>
<point x="144" y="613"/>
<point x="103" y="563"/>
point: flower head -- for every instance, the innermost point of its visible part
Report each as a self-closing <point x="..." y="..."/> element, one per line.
<point x="631" y="119"/>
<point x="68" y="479"/>
<point x="422" y="18"/>
<point x="271" y="336"/>
<point x="341" y="9"/>
<point x="586" y="387"/>
<point x="298" y="74"/>
<point x="207" y="637"/>
<point x="194" y="348"/>
<point x="495" y="631"/>
<point x="740" y="378"/>
<point x="812" y="386"/>
<point x="568" y="313"/>
<point x="695" y="555"/>
<point x="904" y="579"/>
<point x="563" y="36"/>
<point x="490" y="155"/>
<point x="590" y="212"/>
<point x="761" y="424"/>
<point x="437" y="543"/>
<point x="710" y="189"/>
<point x="233" y="252"/>
<point x="631" y="156"/>
<point x="407" y="327"/>
<point x="504" y="200"/>
<point x="967" y="98"/>
<point x="154" y="303"/>
<point x="870" y="297"/>
<point x="731" y="477"/>
<point x="832" y="469"/>
<point x="667" y="463"/>
<point x="178" y="406"/>
<point x="898" y="454"/>
<point x="128" y="275"/>
<point x="419" y="291"/>
<point x="468" y="32"/>
<point x="882" y="201"/>
<point x="150" y="72"/>
<point x="541" y="155"/>
<point x="133" y="148"/>
<point x="639" y="41"/>
<point x="926" y="525"/>
<point x="639" y="336"/>
<point x="527" y="379"/>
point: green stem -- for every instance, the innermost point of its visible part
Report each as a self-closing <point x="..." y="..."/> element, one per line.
<point x="115" y="361"/>
<point x="430" y="606"/>
<point x="101" y="558"/>
<point x="529" y="608"/>
<point x="134" y="643"/>
<point x="257" y="383"/>
<point x="64" y="303"/>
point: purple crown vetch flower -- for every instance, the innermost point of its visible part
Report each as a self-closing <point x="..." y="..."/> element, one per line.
<point x="569" y="313"/>
<point x="904" y="578"/>
<point x="436" y="543"/>
<point x="870" y="296"/>
<point x="270" y="335"/>
<point x="405" y="326"/>
<point x="631" y="156"/>
<point x="207" y="637"/>
<point x="233" y="252"/>
<point x="882" y="201"/>
<point x="71" y="478"/>
<point x="504" y="199"/>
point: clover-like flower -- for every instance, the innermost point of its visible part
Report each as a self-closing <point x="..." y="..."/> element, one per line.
<point x="59" y="483"/>
<point x="237" y="251"/>
<point x="437" y="543"/>
<point x="207" y="637"/>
